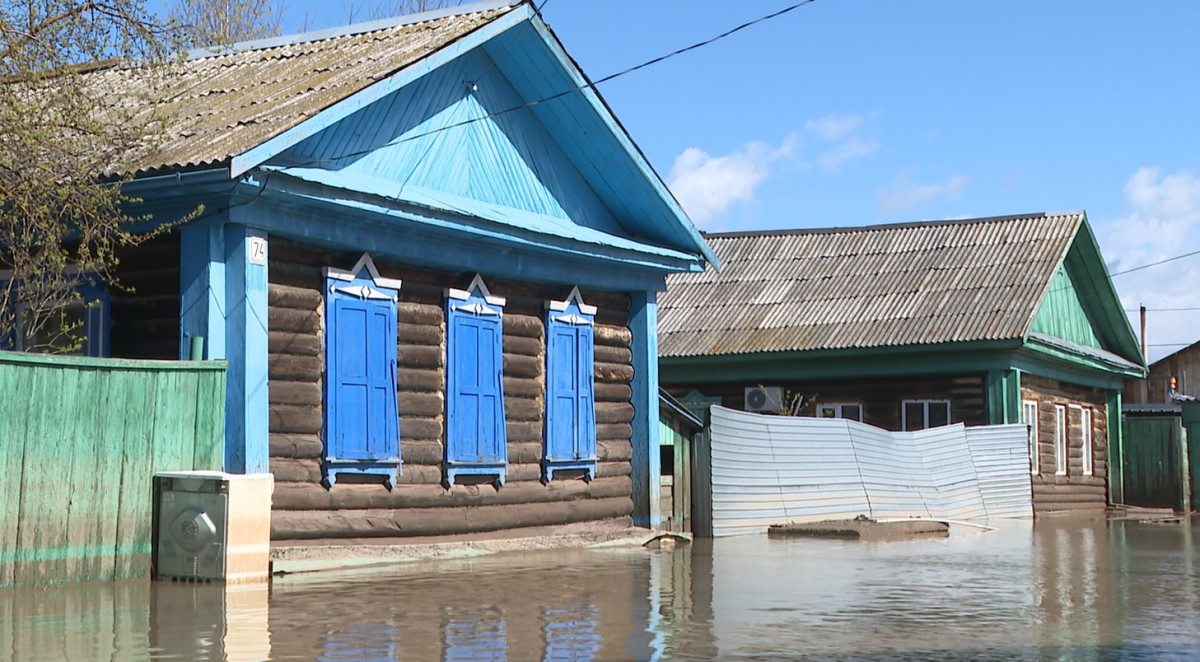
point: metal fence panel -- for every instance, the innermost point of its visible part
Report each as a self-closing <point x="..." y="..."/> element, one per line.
<point x="776" y="469"/>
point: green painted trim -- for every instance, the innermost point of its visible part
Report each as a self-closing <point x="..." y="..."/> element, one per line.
<point x="1116" y="448"/>
<point x="1002" y="396"/>
<point x="956" y="358"/>
<point x="21" y="358"/>
<point x="1046" y="361"/>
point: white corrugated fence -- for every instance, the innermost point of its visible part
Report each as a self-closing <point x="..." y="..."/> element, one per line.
<point x="778" y="469"/>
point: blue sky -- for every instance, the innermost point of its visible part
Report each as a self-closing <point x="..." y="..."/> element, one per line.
<point x="857" y="112"/>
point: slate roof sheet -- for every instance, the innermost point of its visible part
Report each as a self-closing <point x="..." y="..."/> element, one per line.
<point x="879" y="286"/>
<point x="224" y="104"/>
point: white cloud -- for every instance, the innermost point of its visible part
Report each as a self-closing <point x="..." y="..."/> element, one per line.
<point x="838" y="129"/>
<point x="833" y="127"/>
<point x="904" y="194"/>
<point x="708" y="186"/>
<point x="1163" y="221"/>
<point x="849" y="150"/>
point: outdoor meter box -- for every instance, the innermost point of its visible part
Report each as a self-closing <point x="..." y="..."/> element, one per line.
<point x="212" y="526"/>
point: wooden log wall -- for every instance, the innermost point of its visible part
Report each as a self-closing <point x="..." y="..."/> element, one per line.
<point x="880" y="398"/>
<point x="145" y="308"/>
<point x="1074" y="493"/>
<point x="419" y="504"/>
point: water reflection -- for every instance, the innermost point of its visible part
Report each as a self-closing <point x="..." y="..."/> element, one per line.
<point x="1057" y="590"/>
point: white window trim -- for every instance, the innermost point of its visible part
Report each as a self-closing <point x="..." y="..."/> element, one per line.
<point x="1035" y="459"/>
<point x="925" y="412"/>
<point x="1060" y="440"/>
<point x="837" y="409"/>
<point x="1085" y="438"/>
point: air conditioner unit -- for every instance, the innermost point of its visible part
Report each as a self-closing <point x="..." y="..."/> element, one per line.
<point x="764" y="398"/>
<point x="213" y="525"/>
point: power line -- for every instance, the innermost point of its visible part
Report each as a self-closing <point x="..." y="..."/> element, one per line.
<point x="706" y="42"/>
<point x="1152" y="264"/>
<point x="1163" y="310"/>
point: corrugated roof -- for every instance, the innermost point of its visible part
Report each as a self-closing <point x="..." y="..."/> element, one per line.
<point x="878" y="286"/>
<point x="224" y="104"/>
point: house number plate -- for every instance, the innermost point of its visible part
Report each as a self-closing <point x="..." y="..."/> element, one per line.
<point x="258" y="250"/>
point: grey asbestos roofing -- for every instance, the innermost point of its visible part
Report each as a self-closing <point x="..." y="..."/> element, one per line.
<point x="879" y="286"/>
<point x="222" y="104"/>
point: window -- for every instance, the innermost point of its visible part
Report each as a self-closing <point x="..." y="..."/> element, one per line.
<point x="362" y="426"/>
<point x="922" y="414"/>
<point x="1085" y="438"/>
<point x="78" y="326"/>
<point x="1060" y="440"/>
<point x="1029" y="413"/>
<point x="850" y="410"/>
<point x="570" y="427"/>
<point x="476" y="441"/>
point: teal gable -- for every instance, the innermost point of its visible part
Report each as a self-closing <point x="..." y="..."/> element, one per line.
<point x="1063" y="314"/>
<point x="450" y="152"/>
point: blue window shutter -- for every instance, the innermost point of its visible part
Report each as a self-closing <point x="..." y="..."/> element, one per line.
<point x="562" y="381"/>
<point x="476" y="439"/>
<point x="362" y="424"/>
<point x="364" y="381"/>
<point x="570" y="426"/>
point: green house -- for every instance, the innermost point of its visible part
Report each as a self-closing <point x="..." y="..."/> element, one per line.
<point x="984" y="321"/>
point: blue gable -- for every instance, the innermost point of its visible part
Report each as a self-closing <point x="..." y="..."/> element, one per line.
<point x="447" y="133"/>
<point x="501" y="122"/>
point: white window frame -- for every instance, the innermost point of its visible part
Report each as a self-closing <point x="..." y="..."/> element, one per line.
<point x="925" y="413"/>
<point x="1029" y="412"/>
<point x="1060" y="440"/>
<point x="837" y="408"/>
<point x="1085" y="438"/>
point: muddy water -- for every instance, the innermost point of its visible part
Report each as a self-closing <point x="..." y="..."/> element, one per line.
<point x="1057" y="590"/>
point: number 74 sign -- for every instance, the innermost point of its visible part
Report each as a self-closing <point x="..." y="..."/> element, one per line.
<point x="257" y="250"/>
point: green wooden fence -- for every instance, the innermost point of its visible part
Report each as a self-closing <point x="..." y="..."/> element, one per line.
<point x="1155" y="459"/>
<point x="80" y="442"/>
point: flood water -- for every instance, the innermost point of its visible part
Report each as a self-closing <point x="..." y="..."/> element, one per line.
<point x="1056" y="590"/>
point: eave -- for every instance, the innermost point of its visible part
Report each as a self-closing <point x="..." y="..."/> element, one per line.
<point x="895" y="361"/>
<point x="437" y="238"/>
<point x="1088" y="358"/>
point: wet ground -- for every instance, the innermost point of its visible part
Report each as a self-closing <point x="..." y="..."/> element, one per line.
<point x="1058" y="590"/>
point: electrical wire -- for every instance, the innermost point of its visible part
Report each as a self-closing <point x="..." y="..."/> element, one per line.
<point x="1152" y="264"/>
<point x="704" y="43"/>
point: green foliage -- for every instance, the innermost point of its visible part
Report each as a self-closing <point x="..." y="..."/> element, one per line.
<point x="74" y="114"/>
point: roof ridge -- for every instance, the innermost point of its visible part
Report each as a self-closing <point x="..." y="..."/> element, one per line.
<point x="886" y="226"/>
<point x="352" y="29"/>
